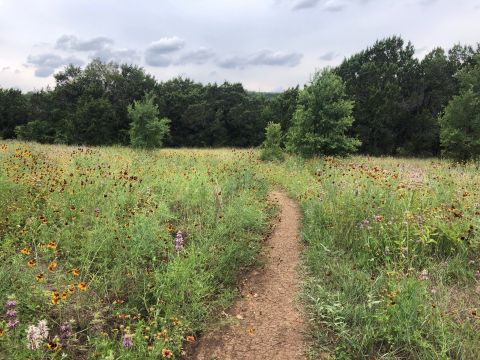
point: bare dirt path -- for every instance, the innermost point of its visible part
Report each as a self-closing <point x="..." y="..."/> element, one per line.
<point x="265" y="323"/>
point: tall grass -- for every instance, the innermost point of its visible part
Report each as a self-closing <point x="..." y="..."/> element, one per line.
<point x="129" y="254"/>
<point x="88" y="244"/>
<point x="392" y="256"/>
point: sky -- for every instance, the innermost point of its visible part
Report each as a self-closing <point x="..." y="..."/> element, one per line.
<point x="268" y="45"/>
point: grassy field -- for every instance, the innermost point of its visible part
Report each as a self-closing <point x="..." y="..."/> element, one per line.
<point x="129" y="254"/>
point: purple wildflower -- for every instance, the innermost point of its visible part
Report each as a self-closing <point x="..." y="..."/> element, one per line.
<point x="11" y="303"/>
<point x="65" y="330"/>
<point x="364" y="223"/>
<point x="12" y="324"/>
<point x="179" y="241"/>
<point x="11" y="313"/>
<point x="128" y="341"/>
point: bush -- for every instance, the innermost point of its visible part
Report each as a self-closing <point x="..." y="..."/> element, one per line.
<point x="35" y="130"/>
<point x="460" y="124"/>
<point x="271" y="148"/>
<point x="147" y="130"/>
<point x="322" y="118"/>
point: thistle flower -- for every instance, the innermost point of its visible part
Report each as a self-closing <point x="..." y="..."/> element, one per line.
<point x="179" y="241"/>
<point x="128" y="341"/>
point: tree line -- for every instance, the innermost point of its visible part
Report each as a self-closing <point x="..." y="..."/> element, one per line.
<point x="395" y="103"/>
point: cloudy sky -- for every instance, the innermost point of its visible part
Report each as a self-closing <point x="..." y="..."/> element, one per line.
<point x="267" y="45"/>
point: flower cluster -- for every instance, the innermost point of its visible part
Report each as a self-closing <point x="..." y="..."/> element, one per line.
<point x="37" y="334"/>
<point x="179" y="241"/>
<point x="11" y="313"/>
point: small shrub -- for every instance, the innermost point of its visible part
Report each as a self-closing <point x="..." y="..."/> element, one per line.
<point x="271" y="148"/>
<point x="147" y="129"/>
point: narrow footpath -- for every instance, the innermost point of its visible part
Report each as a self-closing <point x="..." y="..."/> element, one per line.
<point x="265" y="322"/>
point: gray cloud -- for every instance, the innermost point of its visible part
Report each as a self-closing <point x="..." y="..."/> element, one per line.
<point x="196" y="57"/>
<point x="46" y="64"/>
<point x="329" y="56"/>
<point x="427" y="2"/>
<point x="333" y="6"/>
<point x="119" y="56"/>
<point x="166" y="45"/>
<point x="72" y="43"/>
<point x="157" y="52"/>
<point x="262" y="57"/>
<point x="328" y="5"/>
<point x="305" y="4"/>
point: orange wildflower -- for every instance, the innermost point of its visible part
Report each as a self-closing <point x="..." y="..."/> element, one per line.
<point x="52" y="266"/>
<point x="64" y="295"/>
<point x="31" y="263"/>
<point x="167" y="353"/>
<point x="25" y="251"/>
<point x="71" y="288"/>
<point x="55" y="297"/>
<point x="40" y="277"/>
<point x="190" y="339"/>
<point x="82" y="286"/>
<point x="52" y="245"/>
<point x="75" y="272"/>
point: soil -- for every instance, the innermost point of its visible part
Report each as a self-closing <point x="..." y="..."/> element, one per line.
<point x="265" y="322"/>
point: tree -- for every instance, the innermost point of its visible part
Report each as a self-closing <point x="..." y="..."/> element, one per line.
<point x="385" y="82"/>
<point x="13" y="111"/>
<point x="271" y="147"/>
<point x="322" y="118"/>
<point x="460" y="124"/>
<point x="147" y="130"/>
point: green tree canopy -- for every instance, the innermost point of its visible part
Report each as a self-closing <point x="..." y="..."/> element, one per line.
<point x="147" y="130"/>
<point x="460" y="124"/>
<point x="322" y="118"/>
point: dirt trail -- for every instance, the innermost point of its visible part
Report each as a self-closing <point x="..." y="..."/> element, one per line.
<point x="265" y="323"/>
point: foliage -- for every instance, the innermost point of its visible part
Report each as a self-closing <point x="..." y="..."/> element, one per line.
<point x="13" y="112"/>
<point x="460" y="124"/>
<point x="383" y="122"/>
<point x="271" y="147"/>
<point x="322" y="118"/>
<point x="35" y="130"/>
<point x="147" y="129"/>
<point x="398" y="99"/>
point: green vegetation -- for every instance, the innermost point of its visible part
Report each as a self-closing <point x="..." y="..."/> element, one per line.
<point x="397" y="103"/>
<point x="460" y="134"/>
<point x="147" y="130"/>
<point x="130" y="253"/>
<point x="322" y="118"/>
<point x="392" y="255"/>
<point x="272" y="146"/>
<point x="124" y="253"/>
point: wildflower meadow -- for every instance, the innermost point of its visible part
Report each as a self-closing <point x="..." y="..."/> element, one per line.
<point x="115" y="253"/>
